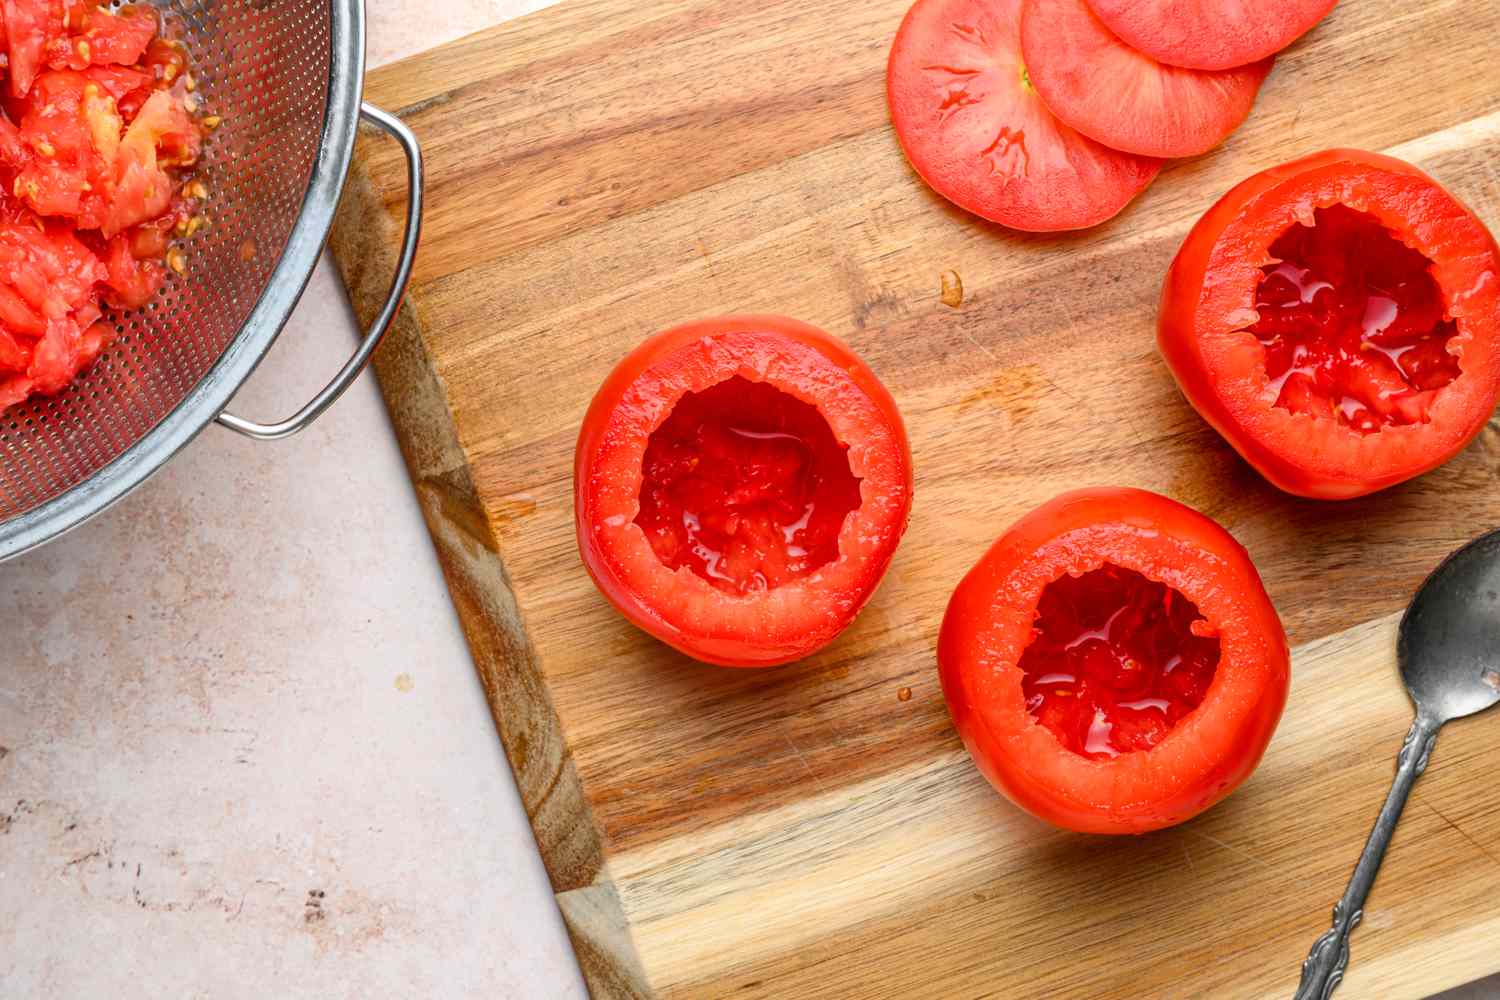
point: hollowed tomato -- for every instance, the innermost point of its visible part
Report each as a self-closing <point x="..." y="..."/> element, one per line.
<point x="740" y="487"/>
<point x="1337" y="320"/>
<point x="1210" y="34"/>
<point x="1116" y="95"/>
<point x="976" y="130"/>
<point x="1113" y="663"/>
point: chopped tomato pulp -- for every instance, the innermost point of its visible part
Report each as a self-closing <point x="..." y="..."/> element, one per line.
<point x="94" y="136"/>
<point x="746" y="486"/>
<point x="740" y="487"/>
<point x="1115" y="661"/>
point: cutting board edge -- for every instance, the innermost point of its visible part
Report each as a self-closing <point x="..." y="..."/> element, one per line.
<point x="363" y="243"/>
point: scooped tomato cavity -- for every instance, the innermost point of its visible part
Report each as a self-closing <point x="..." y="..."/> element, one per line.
<point x="1210" y="34"/>
<point x="1122" y="98"/>
<point x="1337" y="319"/>
<point x="974" y="127"/>
<point x="1113" y="663"/>
<point x="741" y="485"/>
<point x="1353" y="323"/>
<point x="1116" y="660"/>
<point x="746" y="486"/>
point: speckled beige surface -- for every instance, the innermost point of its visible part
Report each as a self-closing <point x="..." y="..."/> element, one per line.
<point x="243" y="752"/>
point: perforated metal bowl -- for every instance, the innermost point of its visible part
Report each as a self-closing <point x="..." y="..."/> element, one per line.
<point x="286" y="78"/>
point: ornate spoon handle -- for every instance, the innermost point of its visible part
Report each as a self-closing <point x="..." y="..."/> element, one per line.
<point x="1324" y="968"/>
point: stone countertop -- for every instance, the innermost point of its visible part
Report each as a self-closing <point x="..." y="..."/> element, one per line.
<point x="243" y="751"/>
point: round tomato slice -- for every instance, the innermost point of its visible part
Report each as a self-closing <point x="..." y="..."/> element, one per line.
<point x="1210" y="34"/>
<point x="1337" y="320"/>
<point x="1113" y="663"/>
<point x="740" y="487"/>
<point x="976" y="130"/>
<point x="1107" y="90"/>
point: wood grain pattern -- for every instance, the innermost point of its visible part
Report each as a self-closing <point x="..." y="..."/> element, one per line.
<point x="605" y="169"/>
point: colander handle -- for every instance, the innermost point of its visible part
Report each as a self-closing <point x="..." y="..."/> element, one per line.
<point x="393" y="127"/>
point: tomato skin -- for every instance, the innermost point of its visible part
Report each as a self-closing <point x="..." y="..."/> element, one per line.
<point x="1208" y="299"/>
<point x="989" y="623"/>
<point x="788" y="622"/>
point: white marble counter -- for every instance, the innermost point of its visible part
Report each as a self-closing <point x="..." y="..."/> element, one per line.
<point x="243" y="752"/>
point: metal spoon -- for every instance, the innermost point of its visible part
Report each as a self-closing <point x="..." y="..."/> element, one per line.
<point x="1449" y="651"/>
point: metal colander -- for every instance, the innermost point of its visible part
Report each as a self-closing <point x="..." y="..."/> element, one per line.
<point x="285" y="76"/>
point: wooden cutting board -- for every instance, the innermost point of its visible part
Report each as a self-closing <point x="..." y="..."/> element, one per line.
<point x="611" y="167"/>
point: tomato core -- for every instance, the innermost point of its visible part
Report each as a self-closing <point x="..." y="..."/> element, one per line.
<point x="1353" y="324"/>
<point x="746" y="486"/>
<point x="1115" y="661"/>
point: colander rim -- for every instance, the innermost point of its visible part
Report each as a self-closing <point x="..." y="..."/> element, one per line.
<point x="267" y="318"/>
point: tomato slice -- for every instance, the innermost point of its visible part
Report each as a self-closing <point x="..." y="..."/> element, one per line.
<point x="976" y="130"/>
<point x="740" y="487"/>
<point x="1112" y="93"/>
<point x="1113" y="663"/>
<point x="1337" y="320"/>
<point x="1210" y="34"/>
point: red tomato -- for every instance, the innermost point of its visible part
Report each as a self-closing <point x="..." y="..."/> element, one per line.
<point x="1337" y="319"/>
<point x="975" y="129"/>
<point x="119" y="81"/>
<point x="1113" y="663"/>
<point x="118" y="38"/>
<point x="740" y="487"/>
<point x="1113" y="94"/>
<point x="28" y="26"/>
<point x="87" y="205"/>
<point x="142" y="190"/>
<point x="132" y="282"/>
<point x="62" y="164"/>
<point x="165" y="61"/>
<point x="1209" y="34"/>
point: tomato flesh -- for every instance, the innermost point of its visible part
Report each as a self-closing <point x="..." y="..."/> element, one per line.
<point x="1353" y="324"/>
<point x="1115" y="661"/>
<point x="96" y="119"/>
<point x="1128" y="101"/>
<point x="746" y="486"/>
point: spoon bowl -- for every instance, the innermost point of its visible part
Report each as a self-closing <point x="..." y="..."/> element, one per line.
<point x="1449" y="644"/>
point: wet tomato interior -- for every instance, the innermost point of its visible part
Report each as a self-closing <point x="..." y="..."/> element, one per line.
<point x="746" y="486"/>
<point x="1115" y="661"/>
<point x="1353" y="324"/>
